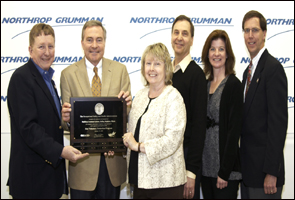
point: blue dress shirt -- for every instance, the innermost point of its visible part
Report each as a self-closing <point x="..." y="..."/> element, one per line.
<point x="47" y="76"/>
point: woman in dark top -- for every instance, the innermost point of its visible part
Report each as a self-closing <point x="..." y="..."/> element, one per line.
<point x="221" y="164"/>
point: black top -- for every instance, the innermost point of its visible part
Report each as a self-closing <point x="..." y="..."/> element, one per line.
<point x="225" y="108"/>
<point x="210" y="95"/>
<point x="230" y="125"/>
<point x="133" y="163"/>
<point x="192" y="86"/>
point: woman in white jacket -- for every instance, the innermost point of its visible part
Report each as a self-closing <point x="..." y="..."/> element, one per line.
<point x="156" y="127"/>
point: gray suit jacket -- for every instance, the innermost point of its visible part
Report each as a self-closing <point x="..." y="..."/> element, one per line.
<point x="75" y="83"/>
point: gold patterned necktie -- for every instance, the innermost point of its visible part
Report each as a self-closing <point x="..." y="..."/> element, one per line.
<point x="96" y="84"/>
<point x="249" y="77"/>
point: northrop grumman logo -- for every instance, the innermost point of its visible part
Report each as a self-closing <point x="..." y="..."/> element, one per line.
<point x="170" y="20"/>
<point x="137" y="59"/>
<point x="196" y="21"/>
<point x="280" y="22"/>
<point x="282" y="60"/>
<point x="202" y="20"/>
<point x="290" y="102"/>
<point x="57" y="59"/>
<point x="58" y="20"/>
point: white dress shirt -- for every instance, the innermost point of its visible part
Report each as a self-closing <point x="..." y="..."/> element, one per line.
<point x="90" y="72"/>
<point x="255" y="61"/>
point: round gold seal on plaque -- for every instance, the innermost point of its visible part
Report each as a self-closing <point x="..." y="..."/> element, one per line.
<point x="99" y="108"/>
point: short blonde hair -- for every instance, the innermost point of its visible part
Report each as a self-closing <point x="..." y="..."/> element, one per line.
<point x="39" y="29"/>
<point x="161" y="52"/>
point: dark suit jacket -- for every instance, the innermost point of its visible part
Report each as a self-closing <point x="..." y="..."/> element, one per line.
<point x="230" y="126"/>
<point x="35" y="167"/>
<point x="265" y="119"/>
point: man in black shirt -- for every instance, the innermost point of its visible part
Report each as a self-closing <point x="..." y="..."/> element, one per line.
<point x="190" y="81"/>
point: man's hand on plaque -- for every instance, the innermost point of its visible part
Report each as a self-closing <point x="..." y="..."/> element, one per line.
<point x="72" y="154"/>
<point x="125" y="95"/>
<point x="110" y="153"/>
<point x="66" y="112"/>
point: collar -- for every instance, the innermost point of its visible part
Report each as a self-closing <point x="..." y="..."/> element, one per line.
<point x="183" y="64"/>
<point x="90" y="66"/>
<point x="47" y="75"/>
<point x="257" y="57"/>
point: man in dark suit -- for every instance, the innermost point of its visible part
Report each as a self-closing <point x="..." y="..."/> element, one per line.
<point x="265" y="115"/>
<point x="36" y="166"/>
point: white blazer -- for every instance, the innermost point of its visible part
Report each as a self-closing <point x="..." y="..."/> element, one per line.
<point x="161" y="130"/>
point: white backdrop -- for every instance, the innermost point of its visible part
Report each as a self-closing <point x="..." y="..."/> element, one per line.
<point x="131" y="27"/>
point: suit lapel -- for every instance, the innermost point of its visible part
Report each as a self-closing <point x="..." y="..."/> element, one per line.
<point x="40" y="81"/>
<point x="82" y="77"/>
<point x="256" y="79"/>
<point x="245" y="77"/>
<point x="107" y="76"/>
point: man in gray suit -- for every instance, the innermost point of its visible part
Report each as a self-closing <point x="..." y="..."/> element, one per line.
<point x="99" y="175"/>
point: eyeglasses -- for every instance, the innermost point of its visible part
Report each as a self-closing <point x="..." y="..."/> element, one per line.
<point x="254" y="30"/>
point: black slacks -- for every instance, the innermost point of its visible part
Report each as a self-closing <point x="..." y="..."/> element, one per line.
<point x="160" y="193"/>
<point x="210" y="191"/>
<point x="198" y="177"/>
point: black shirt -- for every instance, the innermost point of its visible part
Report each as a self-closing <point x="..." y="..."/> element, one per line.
<point x="192" y="86"/>
<point x="133" y="163"/>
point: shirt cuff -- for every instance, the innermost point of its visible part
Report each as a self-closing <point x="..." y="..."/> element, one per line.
<point x="190" y="174"/>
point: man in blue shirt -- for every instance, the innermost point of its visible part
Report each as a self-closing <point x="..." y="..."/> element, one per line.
<point x="37" y="165"/>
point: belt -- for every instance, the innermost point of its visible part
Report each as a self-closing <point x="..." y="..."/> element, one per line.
<point x="211" y="123"/>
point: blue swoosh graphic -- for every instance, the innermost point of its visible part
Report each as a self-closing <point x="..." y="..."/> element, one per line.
<point x="8" y="71"/>
<point x="171" y="27"/>
<point x="280" y="33"/>
<point x="198" y="64"/>
<point x="51" y="26"/>
<point x="135" y="71"/>
<point x="20" y="34"/>
<point x="154" y="32"/>
<point x="61" y="64"/>
<point x="129" y="73"/>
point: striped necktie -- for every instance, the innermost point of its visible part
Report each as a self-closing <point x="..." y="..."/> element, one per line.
<point x="96" y="84"/>
<point x="249" y="77"/>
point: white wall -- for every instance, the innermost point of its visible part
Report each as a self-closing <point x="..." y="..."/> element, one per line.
<point x="127" y="37"/>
